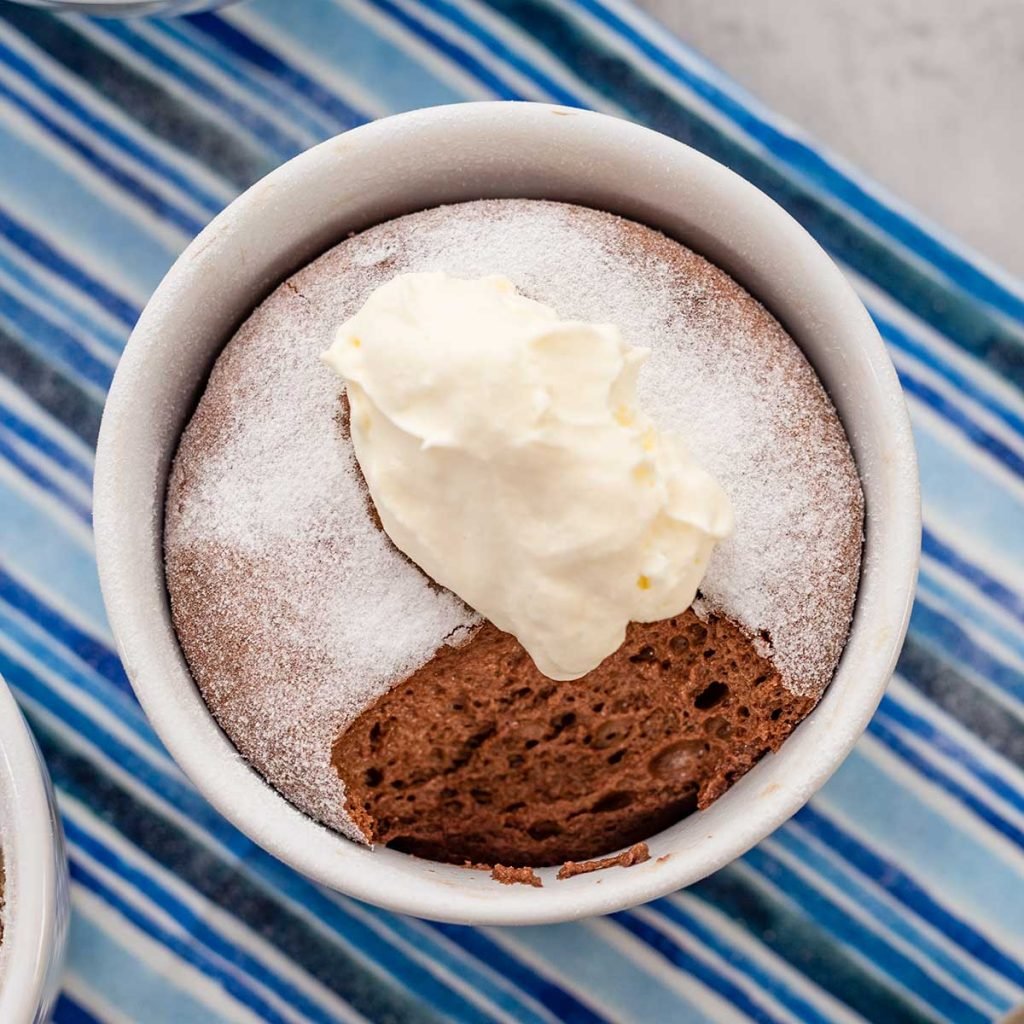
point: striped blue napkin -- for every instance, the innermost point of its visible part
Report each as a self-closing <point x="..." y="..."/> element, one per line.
<point x="897" y="895"/>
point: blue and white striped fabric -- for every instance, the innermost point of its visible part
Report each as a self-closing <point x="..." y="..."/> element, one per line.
<point x="897" y="895"/>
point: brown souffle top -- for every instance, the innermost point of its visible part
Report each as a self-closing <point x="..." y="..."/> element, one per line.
<point x="380" y="704"/>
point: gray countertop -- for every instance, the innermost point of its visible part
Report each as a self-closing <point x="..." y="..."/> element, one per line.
<point x="925" y="95"/>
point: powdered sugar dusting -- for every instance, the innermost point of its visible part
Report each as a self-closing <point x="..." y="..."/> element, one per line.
<point x="294" y="610"/>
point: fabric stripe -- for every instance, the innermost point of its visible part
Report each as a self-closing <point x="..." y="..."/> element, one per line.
<point x="833" y="870"/>
<point x="98" y="340"/>
<point x="52" y="390"/>
<point x="108" y="129"/>
<point x="566" y="1006"/>
<point x="409" y="19"/>
<point x="259" y="56"/>
<point x="945" y="686"/>
<point x="940" y="590"/>
<point x="863" y="940"/>
<point x="83" y="878"/>
<point x="909" y="892"/>
<point x="87" y="153"/>
<point x="42" y="252"/>
<point x="934" y="546"/>
<point x="924" y="732"/>
<point x="679" y="912"/>
<point x="808" y="947"/>
<point x="964" y="384"/>
<point x="84" y="646"/>
<point x="468" y="32"/>
<point x="270" y="135"/>
<point x="67" y="1011"/>
<point x="201" y="51"/>
<point x="100" y="942"/>
<point x="160" y="111"/>
<point x="192" y="924"/>
<point x="689" y="960"/>
<point x="85" y="208"/>
<point x="952" y="914"/>
<point x="53" y="342"/>
<point x="24" y="430"/>
<point x="956" y="641"/>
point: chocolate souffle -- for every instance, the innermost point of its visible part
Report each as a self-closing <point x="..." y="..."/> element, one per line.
<point x="379" y="703"/>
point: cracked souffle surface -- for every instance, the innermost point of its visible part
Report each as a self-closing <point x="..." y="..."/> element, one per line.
<point x="380" y="704"/>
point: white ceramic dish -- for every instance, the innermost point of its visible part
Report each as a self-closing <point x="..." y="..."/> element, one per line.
<point x="447" y="154"/>
<point x="36" y="885"/>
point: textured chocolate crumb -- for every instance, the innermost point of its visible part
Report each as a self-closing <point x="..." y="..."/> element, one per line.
<point x="636" y="854"/>
<point x="514" y="876"/>
<point x="479" y="757"/>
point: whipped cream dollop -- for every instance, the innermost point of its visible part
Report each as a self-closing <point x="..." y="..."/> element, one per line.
<point x="506" y="456"/>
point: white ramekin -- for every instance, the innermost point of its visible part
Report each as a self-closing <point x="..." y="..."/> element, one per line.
<point x="36" y="886"/>
<point x="443" y="155"/>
